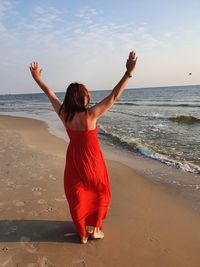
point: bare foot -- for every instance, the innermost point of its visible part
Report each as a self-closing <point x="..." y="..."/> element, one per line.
<point x="97" y="233"/>
<point x="84" y="239"/>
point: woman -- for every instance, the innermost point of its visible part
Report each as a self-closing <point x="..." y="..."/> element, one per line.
<point x="86" y="180"/>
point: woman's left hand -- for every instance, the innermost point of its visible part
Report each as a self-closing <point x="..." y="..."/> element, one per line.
<point x="35" y="71"/>
<point x="131" y="62"/>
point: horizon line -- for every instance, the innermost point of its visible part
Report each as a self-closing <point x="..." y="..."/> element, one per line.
<point x="135" y="88"/>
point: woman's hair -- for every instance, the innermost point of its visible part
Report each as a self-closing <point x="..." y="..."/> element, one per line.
<point x="74" y="100"/>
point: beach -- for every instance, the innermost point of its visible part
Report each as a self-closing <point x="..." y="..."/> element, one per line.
<point x="146" y="225"/>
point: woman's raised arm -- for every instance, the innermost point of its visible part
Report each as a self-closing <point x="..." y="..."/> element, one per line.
<point x="36" y="73"/>
<point x="100" y="108"/>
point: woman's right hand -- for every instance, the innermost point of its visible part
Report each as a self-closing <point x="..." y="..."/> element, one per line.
<point x="35" y="71"/>
<point x="131" y="62"/>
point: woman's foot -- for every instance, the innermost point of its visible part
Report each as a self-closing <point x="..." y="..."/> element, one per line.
<point x="84" y="239"/>
<point x="97" y="233"/>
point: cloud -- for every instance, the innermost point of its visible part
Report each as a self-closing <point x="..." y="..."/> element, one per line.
<point x="6" y="6"/>
<point x="43" y="21"/>
<point x="46" y="17"/>
<point x="87" y="14"/>
<point x="85" y="47"/>
<point x="48" y="26"/>
<point x="6" y="10"/>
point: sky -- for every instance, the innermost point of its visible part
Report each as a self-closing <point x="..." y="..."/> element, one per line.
<point x="89" y="42"/>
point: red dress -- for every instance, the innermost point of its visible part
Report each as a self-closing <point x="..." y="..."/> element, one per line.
<point x="86" y="180"/>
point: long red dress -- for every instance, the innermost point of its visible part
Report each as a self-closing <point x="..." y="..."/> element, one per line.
<point x="86" y="180"/>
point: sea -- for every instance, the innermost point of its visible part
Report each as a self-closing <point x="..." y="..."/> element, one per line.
<point x="162" y="123"/>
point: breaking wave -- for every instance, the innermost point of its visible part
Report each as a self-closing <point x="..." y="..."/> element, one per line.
<point x="137" y="145"/>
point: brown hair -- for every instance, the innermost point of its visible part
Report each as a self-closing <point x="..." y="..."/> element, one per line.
<point x="74" y="100"/>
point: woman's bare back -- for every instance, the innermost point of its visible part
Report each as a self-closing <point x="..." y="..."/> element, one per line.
<point x="78" y="122"/>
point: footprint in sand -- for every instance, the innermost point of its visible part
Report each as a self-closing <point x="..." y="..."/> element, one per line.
<point x="41" y="201"/>
<point x="43" y="261"/>
<point x="11" y="185"/>
<point x="19" y="203"/>
<point x="166" y="250"/>
<point x="153" y="239"/>
<point x="77" y="263"/>
<point x="60" y="199"/>
<point x="5" y="249"/>
<point x="49" y="209"/>
<point x="37" y="190"/>
<point x="52" y="177"/>
<point x="33" y="213"/>
<point x="31" y="247"/>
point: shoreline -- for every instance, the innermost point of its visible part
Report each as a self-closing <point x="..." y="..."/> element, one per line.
<point x="162" y="231"/>
<point x="179" y="183"/>
<point x="56" y="128"/>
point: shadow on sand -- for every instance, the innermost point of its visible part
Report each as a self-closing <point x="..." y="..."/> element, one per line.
<point x="37" y="230"/>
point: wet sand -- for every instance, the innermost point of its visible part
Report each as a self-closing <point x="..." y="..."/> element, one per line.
<point x="145" y="226"/>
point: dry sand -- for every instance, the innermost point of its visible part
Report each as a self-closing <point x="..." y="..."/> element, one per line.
<point x="145" y="226"/>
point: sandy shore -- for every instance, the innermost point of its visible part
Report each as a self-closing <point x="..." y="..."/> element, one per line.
<point x="145" y="226"/>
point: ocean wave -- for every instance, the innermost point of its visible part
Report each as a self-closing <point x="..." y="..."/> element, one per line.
<point x="120" y="103"/>
<point x="126" y="103"/>
<point x="149" y="104"/>
<point x="152" y="116"/>
<point x="137" y="145"/>
<point x="185" y="119"/>
<point x="178" y="118"/>
<point x="185" y="166"/>
<point x="173" y="105"/>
